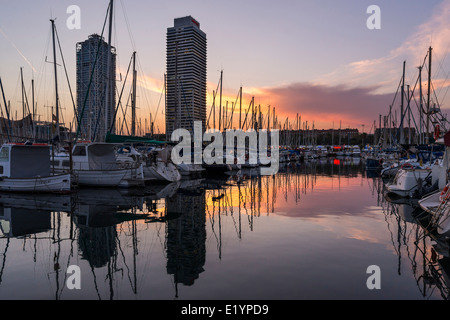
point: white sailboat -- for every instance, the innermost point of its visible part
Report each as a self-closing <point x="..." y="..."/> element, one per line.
<point x="27" y="168"/>
<point x="155" y="161"/>
<point x="190" y="169"/>
<point x="437" y="203"/>
<point x="160" y="167"/>
<point x="437" y="206"/>
<point x="409" y="180"/>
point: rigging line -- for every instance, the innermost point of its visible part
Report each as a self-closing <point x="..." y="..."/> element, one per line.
<point x="395" y="96"/>
<point x="133" y="44"/>
<point x="232" y="111"/>
<point x="448" y="87"/>
<point x="412" y="115"/>
<point x="128" y="25"/>
<point x="124" y="112"/>
<point x="92" y="74"/>
<point x="8" y="127"/>
<point x="27" y="105"/>
<point x="96" y="125"/>
<point x="120" y="96"/>
<point x="214" y="99"/>
<point x="159" y="103"/>
<point x="67" y="76"/>
<point x="141" y="70"/>
<point x="211" y="109"/>
<point x="440" y="64"/>
<point x="40" y="73"/>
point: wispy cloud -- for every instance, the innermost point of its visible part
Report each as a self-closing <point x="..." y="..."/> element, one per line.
<point x="358" y="92"/>
<point x="386" y="71"/>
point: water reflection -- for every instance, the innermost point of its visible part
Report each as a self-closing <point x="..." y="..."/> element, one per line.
<point x="186" y="236"/>
<point x="129" y="243"/>
<point x="427" y="252"/>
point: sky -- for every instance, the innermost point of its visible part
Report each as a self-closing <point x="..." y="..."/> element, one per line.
<point x="315" y="59"/>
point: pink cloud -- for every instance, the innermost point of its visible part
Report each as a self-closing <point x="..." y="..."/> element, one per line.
<point x="326" y="105"/>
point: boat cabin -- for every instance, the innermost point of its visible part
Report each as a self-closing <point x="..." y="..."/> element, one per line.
<point x="18" y="160"/>
<point x="94" y="156"/>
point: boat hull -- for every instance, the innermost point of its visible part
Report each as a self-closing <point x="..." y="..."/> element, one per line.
<point x="134" y="178"/>
<point x="162" y="172"/>
<point x="439" y="210"/>
<point x="190" y="170"/>
<point x="51" y="184"/>
<point x="407" y="182"/>
<point x="100" y="178"/>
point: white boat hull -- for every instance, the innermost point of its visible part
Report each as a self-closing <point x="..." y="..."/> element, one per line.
<point x="439" y="210"/>
<point x="190" y="169"/>
<point x="100" y="178"/>
<point x="51" y="184"/>
<point x="133" y="178"/>
<point x="406" y="182"/>
<point x="162" y="172"/>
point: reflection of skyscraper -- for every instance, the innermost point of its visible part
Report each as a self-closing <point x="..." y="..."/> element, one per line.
<point x="97" y="245"/>
<point x="95" y="102"/>
<point x="186" y="61"/>
<point x="186" y="237"/>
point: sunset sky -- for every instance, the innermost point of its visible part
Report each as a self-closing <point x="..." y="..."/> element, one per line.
<point x="317" y="59"/>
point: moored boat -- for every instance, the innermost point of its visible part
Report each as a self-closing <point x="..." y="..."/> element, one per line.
<point x="94" y="164"/>
<point x="27" y="168"/>
<point x="411" y="182"/>
<point x="437" y="205"/>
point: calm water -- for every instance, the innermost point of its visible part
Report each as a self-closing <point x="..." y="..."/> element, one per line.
<point x="310" y="232"/>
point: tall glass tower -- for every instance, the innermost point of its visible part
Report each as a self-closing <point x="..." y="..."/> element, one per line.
<point x="95" y="102"/>
<point x="185" y="75"/>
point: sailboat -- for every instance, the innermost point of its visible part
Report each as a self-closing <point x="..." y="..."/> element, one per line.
<point x="160" y="166"/>
<point x="436" y="204"/>
<point x="409" y="181"/>
<point x="155" y="161"/>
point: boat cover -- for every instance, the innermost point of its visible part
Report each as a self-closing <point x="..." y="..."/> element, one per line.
<point x="30" y="161"/>
<point x="102" y="157"/>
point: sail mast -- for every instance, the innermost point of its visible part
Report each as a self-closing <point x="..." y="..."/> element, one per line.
<point x="402" y="136"/>
<point x="133" y="101"/>
<point x="240" y="108"/>
<point x="108" y="71"/>
<point x="421" y="106"/>
<point x="56" y="81"/>
<point x="429" y="93"/>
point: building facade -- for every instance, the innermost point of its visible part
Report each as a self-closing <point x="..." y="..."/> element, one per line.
<point x="95" y="101"/>
<point x="185" y="75"/>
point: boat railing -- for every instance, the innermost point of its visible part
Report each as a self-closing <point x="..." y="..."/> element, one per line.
<point x="102" y="166"/>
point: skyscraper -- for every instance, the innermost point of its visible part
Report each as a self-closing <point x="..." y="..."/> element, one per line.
<point x="95" y="101"/>
<point x="186" y="75"/>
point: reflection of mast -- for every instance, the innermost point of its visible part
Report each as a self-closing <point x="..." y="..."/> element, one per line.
<point x="431" y="275"/>
<point x="4" y="259"/>
<point x="57" y="239"/>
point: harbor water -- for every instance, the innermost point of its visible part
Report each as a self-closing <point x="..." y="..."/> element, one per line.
<point x="312" y="231"/>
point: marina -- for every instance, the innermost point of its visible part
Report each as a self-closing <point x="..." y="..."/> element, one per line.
<point x="310" y="232"/>
<point x="176" y="187"/>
